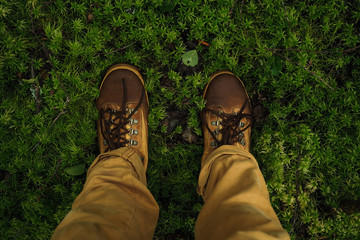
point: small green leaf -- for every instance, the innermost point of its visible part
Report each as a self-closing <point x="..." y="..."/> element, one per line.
<point x="190" y="58"/>
<point x="276" y="66"/>
<point x="75" y="170"/>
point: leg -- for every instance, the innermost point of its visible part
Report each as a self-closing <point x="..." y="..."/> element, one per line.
<point x="236" y="199"/>
<point x="115" y="202"/>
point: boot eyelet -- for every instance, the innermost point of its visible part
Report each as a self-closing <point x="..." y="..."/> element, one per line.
<point x="132" y="142"/>
<point x="242" y="142"/>
<point x="104" y="142"/>
<point x="213" y="144"/>
<point x="242" y="124"/>
<point x="133" y="121"/>
<point x="215" y="123"/>
<point x="133" y="131"/>
<point x="130" y="110"/>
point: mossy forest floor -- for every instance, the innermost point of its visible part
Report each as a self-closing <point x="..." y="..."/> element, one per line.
<point x="300" y="61"/>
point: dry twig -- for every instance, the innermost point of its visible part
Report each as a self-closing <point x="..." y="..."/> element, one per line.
<point x="57" y="117"/>
<point x="37" y="90"/>
<point x="305" y="50"/>
<point x="342" y="55"/>
<point x="44" y="4"/>
<point x="54" y="121"/>
<point x="231" y="10"/>
<point x="276" y="50"/>
<point x="119" y="49"/>
<point x="242" y="5"/>
<point x="312" y="51"/>
<point x="314" y="74"/>
<point x="287" y="18"/>
<point x="261" y="4"/>
<point x="56" y="169"/>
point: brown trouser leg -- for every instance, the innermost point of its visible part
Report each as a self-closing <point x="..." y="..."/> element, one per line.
<point x="115" y="202"/>
<point x="236" y="199"/>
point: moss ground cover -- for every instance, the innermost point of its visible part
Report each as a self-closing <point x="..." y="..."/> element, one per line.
<point x="300" y="62"/>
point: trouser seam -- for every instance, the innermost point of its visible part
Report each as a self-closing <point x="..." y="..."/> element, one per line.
<point x="135" y="200"/>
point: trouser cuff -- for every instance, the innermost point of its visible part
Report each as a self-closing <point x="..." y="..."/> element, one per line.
<point x="125" y="153"/>
<point x="209" y="161"/>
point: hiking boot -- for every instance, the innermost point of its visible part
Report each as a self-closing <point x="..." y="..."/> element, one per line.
<point x="226" y="118"/>
<point x="123" y="105"/>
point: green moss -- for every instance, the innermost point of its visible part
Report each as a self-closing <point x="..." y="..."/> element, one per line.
<point x="307" y="146"/>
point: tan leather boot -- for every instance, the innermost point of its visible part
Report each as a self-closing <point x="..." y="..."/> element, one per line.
<point x="226" y="118"/>
<point x="124" y="106"/>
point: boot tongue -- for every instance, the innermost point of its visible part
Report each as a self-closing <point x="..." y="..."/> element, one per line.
<point x="111" y="106"/>
<point x="228" y="110"/>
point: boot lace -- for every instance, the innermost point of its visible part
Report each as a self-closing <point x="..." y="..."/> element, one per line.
<point x="113" y="124"/>
<point x="232" y="128"/>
